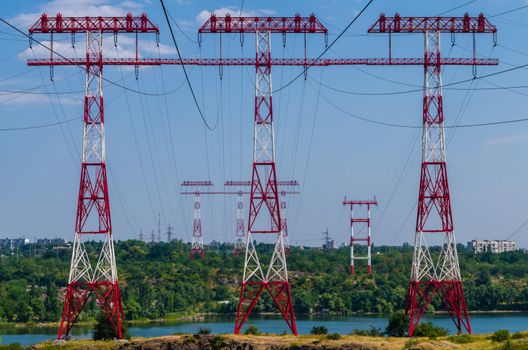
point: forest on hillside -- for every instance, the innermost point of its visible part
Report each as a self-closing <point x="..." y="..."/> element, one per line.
<point x="158" y="280"/>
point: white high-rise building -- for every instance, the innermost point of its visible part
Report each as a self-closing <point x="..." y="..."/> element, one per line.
<point x="493" y="246"/>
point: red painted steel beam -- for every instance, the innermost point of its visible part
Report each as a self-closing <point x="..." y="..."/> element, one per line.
<point x="60" y="24"/>
<point x="197" y="183"/>
<point x="465" y="24"/>
<point x="248" y="183"/>
<point x="276" y="62"/>
<point x="229" y="24"/>
<point x="360" y="202"/>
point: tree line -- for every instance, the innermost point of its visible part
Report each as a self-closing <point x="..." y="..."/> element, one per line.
<point x="158" y="280"/>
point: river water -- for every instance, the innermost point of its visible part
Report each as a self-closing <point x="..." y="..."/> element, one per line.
<point x="481" y="323"/>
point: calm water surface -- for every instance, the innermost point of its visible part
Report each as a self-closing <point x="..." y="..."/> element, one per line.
<point x="481" y="323"/>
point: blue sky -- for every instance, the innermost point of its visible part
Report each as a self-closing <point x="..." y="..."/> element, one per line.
<point x="329" y="152"/>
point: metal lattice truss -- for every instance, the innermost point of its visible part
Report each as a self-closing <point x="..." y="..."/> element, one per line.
<point x="264" y="151"/>
<point x="356" y="220"/>
<point x="197" y="245"/>
<point x="284" y="222"/>
<point x="264" y="206"/>
<point x="240" y="229"/>
<point x="435" y="273"/>
<point x="93" y="209"/>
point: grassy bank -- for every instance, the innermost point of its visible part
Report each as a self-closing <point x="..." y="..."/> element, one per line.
<point x="307" y="342"/>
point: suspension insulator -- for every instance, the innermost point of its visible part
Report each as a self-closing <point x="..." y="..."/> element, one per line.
<point x="30" y="40"/>
<point x="283" y="39"/>
<point x="73" y="40"/>
<point x="241" y="39"/>
<point x="115" y="39"/>
<point x="136" y="71"/>
<point x="52" y="72"/>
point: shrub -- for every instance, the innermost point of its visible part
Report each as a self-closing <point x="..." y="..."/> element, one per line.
<point x="508" y="345"/>
<point x="428" y="329"/>
<point x="204" y="331"/>
<point x="371" y="332"/>
<point x="319" y="330"/>
<point x="461" y="339"/>
<point x="500" y="335"/>
<point x="398" y="325"/>
<point x="333" y="336"/>
<point x="104" y="330"/>
<point x="252" y="330"/>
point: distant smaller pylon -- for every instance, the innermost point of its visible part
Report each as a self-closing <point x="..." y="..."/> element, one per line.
<point x="364" y="222"/>
<point x="197" y="244"/>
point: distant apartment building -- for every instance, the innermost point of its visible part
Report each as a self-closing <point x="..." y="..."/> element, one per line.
<point x="493" y="246"/>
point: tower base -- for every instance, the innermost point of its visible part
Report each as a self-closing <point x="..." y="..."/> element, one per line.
<point x="450" y="292"/>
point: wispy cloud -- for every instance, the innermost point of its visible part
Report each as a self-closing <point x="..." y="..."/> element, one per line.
<point x="126" y="47"/>
<point x="507" y="140"/>
<point x="76" y="7"/>
<point x="25" y="100"/>
<point x="205" y="14"/>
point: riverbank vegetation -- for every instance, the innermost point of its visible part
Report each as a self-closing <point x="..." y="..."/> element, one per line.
<point x="158" y="281"/>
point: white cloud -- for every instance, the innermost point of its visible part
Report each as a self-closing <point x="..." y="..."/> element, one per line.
<point x="205" y="14"/>
<point x="184" y="2"/>
<point x="78" y="8"/>
<point x="25" y="99"/>
<point x="126" y="48"/>
<point x="507" y="140"/>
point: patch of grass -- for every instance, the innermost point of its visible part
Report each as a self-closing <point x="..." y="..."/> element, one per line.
<point x="217" y="342"/>
<point x="519" y="335"/>
<point x="14" y="346"/>
<point x="333" y="336"/>
<point x="461" y="339"/>
<point x="500" y="336"/>
<point x="410" y="343"/>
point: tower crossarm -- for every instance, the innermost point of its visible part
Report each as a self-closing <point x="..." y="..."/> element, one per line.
<point x="464" y="24"/>
<point x="230" y="24"/>
<point x="61" y="24"/>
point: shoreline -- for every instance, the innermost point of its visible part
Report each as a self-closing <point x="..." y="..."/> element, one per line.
<point x="203" y="316"/>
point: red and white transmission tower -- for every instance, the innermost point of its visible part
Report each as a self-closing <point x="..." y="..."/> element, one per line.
<point x="434" y="273"/>
<point x="264" y="207"/>
<point x="197" y="244"/>
<point x="354" y="222"/>
<point x="93" y="207"/>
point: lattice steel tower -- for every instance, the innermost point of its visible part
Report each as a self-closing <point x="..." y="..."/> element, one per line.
<point x="434" y="273"/>
<point x="93" y="206"/>
<point x="264" y="204"/>
<point x="357" y="221"/>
